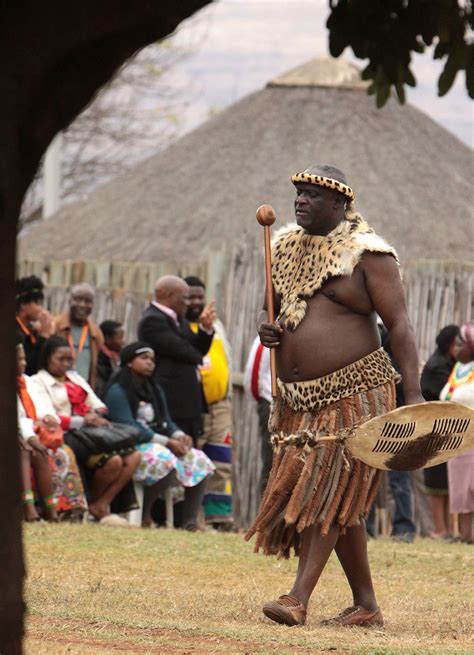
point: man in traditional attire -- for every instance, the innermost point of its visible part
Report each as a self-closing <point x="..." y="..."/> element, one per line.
<point x="331" y="275"/>
<point x="33" y="322"/>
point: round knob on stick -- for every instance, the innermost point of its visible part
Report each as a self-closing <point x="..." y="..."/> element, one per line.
<point x="266" y="215"/>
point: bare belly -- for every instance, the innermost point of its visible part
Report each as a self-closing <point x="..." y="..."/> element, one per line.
<point x="329" y="337"/>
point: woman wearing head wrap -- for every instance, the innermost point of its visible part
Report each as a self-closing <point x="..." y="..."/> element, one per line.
<point x="34" y="323"/>
<point x="167" y="456"/>
<point x="460" y="389"/>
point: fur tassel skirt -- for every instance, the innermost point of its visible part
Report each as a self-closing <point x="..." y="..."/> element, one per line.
<point x="313" y="480"/>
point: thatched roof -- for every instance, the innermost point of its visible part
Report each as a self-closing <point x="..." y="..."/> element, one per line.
<point x="412" y="178"/>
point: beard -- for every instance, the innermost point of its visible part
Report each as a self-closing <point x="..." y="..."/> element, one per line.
<point x="194" y="313"/>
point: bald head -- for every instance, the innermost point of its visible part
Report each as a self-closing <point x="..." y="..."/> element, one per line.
<point x="173" y="292"/>
<point x="168" y="284"/>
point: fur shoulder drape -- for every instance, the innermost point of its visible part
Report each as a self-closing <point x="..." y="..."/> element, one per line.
<point x="302" y="263"/>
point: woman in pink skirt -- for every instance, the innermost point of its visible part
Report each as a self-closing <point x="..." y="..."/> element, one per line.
<point x="460" y="389"/>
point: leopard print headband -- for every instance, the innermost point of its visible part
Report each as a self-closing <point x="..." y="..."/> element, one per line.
<point x="327" y="182"/>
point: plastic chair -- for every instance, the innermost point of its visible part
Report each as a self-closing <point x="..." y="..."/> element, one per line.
<point x="135" y="516"/>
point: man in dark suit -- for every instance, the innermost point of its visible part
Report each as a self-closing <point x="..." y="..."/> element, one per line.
<point x="178" y="350"/>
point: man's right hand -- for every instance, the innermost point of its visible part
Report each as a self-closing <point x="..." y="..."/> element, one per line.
<point x="45" y="324"/>
<point x="270" y="334"/>
<point x="177" y="447"/>
<point x="208" y="315"/>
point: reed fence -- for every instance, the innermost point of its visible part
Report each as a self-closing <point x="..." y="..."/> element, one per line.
<point x="438" y="293"/>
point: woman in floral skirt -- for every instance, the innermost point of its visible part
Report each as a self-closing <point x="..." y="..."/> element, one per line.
<point x="167" y="455"/>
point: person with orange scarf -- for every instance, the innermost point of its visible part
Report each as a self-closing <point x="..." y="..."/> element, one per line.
<point x="34" y="324"/>
<point x="34" y="456"/>
<point x="43" y="453"/>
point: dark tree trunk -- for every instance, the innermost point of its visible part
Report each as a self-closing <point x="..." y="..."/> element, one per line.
<point x="55" y="55"/>
<point x="11" y="559"/>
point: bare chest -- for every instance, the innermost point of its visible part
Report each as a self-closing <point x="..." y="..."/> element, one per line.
<point x="349" y="292"/>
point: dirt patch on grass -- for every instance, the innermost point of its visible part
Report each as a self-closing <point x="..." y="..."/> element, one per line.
<point x="58" y="636"/>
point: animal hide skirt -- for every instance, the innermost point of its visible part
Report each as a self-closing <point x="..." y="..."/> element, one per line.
<point x="314" y="479"/>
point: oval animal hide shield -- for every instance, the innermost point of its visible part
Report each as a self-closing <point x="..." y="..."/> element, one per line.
<point x="415" y="436"/>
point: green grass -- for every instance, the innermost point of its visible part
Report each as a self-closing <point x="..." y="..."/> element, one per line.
<point x="92" y="589"/>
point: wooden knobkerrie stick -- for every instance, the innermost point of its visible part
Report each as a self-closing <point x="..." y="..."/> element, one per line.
<point x="266" y="217"/>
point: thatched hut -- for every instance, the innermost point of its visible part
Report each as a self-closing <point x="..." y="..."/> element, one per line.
<point x="413" y="179"/>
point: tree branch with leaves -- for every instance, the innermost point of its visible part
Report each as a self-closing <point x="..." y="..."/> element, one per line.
<point x="388" y="32"/>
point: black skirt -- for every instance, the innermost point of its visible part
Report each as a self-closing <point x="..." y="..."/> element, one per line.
<point x="436" y="480"/>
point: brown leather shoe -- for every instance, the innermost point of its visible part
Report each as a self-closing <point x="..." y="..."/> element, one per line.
<point x="287" y="610"/>
<point x="357" y="615"/>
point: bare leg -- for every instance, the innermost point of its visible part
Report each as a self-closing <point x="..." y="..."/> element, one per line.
<point x="122" y="471"/>
<point x="314" y="554"/>
<point x="448" y="517"/>
<point x="290" y="609"/>
<point x="304" y="555"/>
<point x="438" y="508"/>
<point x="44" y="481"/>
<point x="103" y="478"/>
<point x="465" y="527"/>
<point x="193" y="497"/>
<point x="29" y="508"/>
<point x="351" y="550"/>
<point x="152" y="492"/>
<point x="128" y="466"/>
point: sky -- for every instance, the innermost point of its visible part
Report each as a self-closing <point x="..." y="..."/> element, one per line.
<point x="236" y="46"/>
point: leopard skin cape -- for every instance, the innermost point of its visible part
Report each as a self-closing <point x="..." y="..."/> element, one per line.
<point x="302" y="263"/>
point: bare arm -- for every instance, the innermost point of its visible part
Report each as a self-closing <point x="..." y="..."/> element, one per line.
<point x="386" y="292"/>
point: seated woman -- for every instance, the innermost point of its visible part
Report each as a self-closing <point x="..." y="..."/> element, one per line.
<point x="167" y="455"/>
<point x="34" y="460"/>
<point x="56" y="474"/>
<point x="72" y="399"/>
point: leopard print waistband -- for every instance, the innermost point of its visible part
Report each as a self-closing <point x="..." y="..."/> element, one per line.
<point x="312" y="395"/>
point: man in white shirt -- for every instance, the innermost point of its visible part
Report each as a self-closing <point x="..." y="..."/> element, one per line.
<point x="257" y="383"/>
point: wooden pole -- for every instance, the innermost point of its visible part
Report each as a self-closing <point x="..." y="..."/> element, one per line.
<point x="266" y="217"/>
